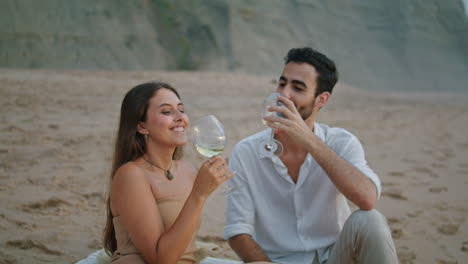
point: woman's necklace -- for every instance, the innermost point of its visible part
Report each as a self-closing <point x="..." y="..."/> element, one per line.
<point x="169" y="175"/>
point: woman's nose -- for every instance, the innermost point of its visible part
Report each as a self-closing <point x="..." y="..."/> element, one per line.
<point x="179" y="115"/>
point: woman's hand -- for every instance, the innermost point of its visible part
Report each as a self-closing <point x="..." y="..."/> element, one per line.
<point x="211" y="174"/>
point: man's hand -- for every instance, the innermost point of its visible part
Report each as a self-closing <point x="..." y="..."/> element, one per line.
<point x="293" y="125"/>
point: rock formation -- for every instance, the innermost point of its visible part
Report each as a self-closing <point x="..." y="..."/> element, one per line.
<point x="377" y="44"/>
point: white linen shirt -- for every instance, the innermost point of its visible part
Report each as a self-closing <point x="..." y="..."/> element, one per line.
<point x="292" y="222"/>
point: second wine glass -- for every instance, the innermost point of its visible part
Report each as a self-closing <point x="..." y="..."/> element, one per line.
<point x="210" y="139"/>
<point x="271" y="147"/>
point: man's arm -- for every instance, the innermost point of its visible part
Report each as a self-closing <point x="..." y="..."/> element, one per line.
<point x="348" y="179"/>
<point x="247" y="248"/>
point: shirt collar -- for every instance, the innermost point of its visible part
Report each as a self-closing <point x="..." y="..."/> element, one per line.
<point x="318" y="131"/>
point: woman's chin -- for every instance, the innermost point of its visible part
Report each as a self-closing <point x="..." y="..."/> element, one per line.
<point x="180" y="143"/>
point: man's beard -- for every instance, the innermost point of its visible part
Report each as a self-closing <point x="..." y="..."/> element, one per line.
<point x="306" y="111"/>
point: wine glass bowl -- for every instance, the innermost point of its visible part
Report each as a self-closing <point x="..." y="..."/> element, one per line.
<point x="209" y="138"/>
<point x="271" y="100"/>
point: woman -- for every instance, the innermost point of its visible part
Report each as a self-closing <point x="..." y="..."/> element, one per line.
<point x="156" y="199"/>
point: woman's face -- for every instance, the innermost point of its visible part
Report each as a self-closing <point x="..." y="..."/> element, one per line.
<point x="166" y="122"/>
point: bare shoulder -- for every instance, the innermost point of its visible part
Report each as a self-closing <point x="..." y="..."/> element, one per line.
<point x="128" y="172"/>
<point x="129" y="183"/>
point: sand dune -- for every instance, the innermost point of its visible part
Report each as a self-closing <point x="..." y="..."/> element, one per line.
<point x="57" y="130"/>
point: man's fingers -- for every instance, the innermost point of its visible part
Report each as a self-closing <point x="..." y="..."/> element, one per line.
<point x="280" y="109"/>
<point x="277" y="119"/>
<point x="288" y="103"/>
<point x="281" y="127"/>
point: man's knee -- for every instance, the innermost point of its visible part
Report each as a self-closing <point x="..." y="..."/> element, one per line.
<point x="371" y="237"/>
<point x="369" y="221"/>
<point x="367" y="216"/>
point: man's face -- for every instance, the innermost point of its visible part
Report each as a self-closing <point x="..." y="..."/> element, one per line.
<point x="298" y="83"/>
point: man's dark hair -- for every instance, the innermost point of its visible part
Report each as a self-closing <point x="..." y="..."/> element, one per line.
<point x="325" y="67"/>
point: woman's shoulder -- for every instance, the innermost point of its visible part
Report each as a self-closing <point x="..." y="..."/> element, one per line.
<point x="130" y="170"/>
<point x="128" y="181"/>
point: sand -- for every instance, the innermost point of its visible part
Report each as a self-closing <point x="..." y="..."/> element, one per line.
<point x="57" y="129"/>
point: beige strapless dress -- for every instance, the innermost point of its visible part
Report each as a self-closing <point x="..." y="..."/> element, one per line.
<point x="126" y="252"/>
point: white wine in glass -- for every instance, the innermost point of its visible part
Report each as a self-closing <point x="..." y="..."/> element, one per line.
<point x="209" y="150"/>
<point x="209" y="138"/>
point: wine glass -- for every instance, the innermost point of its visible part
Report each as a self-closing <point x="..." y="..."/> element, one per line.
<point x="209" y="138"/>
<point x="271" y="147"/>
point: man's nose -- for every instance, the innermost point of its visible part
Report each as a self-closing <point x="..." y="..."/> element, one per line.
<point x="286" y="91"/>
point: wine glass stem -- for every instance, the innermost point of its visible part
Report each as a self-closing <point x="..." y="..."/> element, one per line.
<point x="272" y="135"/>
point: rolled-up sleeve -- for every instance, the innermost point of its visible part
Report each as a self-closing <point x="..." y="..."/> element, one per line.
<point x="353" y="152"/>
<point x="240" y="211"/>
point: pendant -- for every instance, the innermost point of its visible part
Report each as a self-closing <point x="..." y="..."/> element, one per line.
<point x="169" y="175"/>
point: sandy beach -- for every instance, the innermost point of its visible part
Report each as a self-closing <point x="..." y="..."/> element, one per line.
<point x="57" y="131"/>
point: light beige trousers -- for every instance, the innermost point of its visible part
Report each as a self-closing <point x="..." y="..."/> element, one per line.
<point x="366" y="239"/>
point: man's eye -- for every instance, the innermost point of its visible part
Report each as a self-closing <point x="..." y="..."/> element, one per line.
<point x="298" y="88"/>
<point x="166" y="112"/>
<point x="282" y="84"/>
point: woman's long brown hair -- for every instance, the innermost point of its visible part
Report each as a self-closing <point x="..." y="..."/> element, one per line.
<point x="130" y="144"/>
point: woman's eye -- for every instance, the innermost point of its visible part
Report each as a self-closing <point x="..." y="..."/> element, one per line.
<point x="166" y="112"/>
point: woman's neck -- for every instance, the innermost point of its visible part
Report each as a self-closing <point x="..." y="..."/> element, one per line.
<point x="160" y="155"/>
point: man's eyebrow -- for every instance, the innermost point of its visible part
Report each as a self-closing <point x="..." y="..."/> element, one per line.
<point x="282" y="78"/>
<point x="299" y="82"/>
<point x="166" y="104"/>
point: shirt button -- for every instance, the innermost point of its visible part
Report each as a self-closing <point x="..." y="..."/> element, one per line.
<point x="299" y="214"/>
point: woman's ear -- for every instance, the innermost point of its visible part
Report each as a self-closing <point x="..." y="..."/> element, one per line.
<point x="141" y="128"/>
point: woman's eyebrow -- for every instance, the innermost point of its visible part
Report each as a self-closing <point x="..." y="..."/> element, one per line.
<point x="166" y="104"/>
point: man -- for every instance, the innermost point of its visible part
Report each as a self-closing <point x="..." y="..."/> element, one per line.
<point x="293" y="208"/>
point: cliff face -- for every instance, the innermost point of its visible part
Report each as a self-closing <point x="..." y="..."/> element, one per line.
<point x="378" y="44"/>
<point x="111" y="34"/>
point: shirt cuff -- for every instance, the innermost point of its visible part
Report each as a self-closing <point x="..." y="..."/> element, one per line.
<point x="237" y="229"/>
